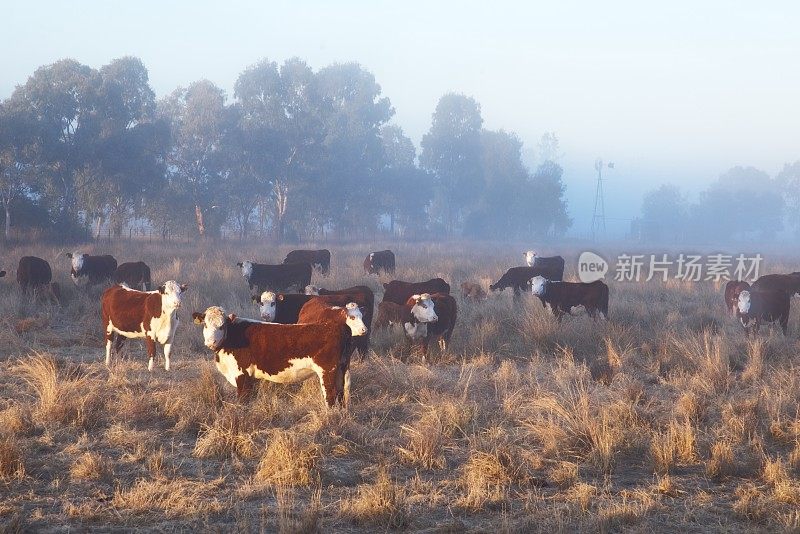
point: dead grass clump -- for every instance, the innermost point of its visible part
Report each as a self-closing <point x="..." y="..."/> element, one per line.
<point x="68" y="395"/>
<point x="178" y="497"/>
<point x="289" y="460"/>
<point x="11" y="459"/>
<point x="721" y="463"/>
<point x="194" y="404"/>
<point x="689" y="407"/>
<point x="676" y="444"/>
<point x="294" y="518"/>
<point x="751" y="503"/>
<point x="90" y="466"/>
<point x="230" y="433"/>
<point x="564" y="475"/>
<point x="15" y="420"/>
<point x="582" y="494"/>
<point x="425" y="440"/>
<point x="382" y="503"/>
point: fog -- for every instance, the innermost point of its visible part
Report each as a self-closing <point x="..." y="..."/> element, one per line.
<point x="673" y="94"/>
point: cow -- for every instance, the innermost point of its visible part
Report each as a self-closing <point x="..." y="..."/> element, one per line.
<point x="317" y="310"/>
<point x="472" y="291"/>
<point x="563" y="296"/>
<point x="152" y="315"/>
<point x="135" y="274"/>
<point x="263" y="277"/>
<point x="361" y="295"/>
<point x="389" y="314"/>
<point x="442" y="310"/>
<point x="399" y="292"/>
<point x="34" y="274"/>
<point x="246" y="350"/>
<point x="518" y="278"/>
<point x="732" y="290"/>
<point x="761" y="305"/>
<point x="91" y="270"/>
<point x="779" y="282"/>
<point x="320" y="259"/>
<point x="383" y="260"/>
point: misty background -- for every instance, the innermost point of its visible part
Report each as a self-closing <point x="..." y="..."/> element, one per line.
<point x="695" y="105"/>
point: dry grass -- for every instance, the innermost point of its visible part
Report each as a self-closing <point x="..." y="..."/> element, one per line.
<point x="664" y="418"/>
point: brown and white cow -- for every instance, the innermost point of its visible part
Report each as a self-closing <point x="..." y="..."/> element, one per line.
<point x="246" y="351"/>
<point x="91" y="270"/>
<point x="399" y="292"/>
<point x="135" y="274"/>
<point x="423" y="317"/>
<point x="732" y="290"/>
<point x="382" y="260"/>
<point x="263" y="277"/>
<point x="563" y="296"/>
<point x="319" y="259"/>
<point x="152" y="315"/>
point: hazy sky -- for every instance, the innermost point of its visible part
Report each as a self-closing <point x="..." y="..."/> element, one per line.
<point x="676" y="92"/>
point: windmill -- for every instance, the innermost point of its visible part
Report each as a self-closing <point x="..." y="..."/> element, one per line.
<point x="599" y="215"/>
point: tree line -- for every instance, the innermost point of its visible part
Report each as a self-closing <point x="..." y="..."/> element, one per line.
<point x="744" y="203"/>
<point x="293" y="154"/>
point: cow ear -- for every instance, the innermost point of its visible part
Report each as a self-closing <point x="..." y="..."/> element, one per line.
<point x="69" y="255"/>
<point x="162" y="289"/>
<point x="256" y="299"/>
<point x="198" y="318"/>
<point x="232" y="317"/>
<point x="239" y="265"/>
<point x="280" y="297"/>
<point x="184" y="287"/>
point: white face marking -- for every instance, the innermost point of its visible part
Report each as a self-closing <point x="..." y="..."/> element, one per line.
<point x="171" y="298"/>
<point x="77" y="260"/>
<point x="371" y="255"/>
<point x="228" y="367"/>
<point x="267" y="306"/>
<point x="744" y="302"/>
<point x="355" y="320"/>
<point x="416" y="331"/>
<point x="530" y="257"/>
<point x="213" y="332"/>
<point x="537" y="285"/>
<point x="247" y="269"/>
<point x="423" y="309"/>
<point x="312" y="290"/>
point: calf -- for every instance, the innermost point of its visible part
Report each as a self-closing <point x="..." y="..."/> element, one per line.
<point x="399" y="292"/>
<point x="732" y="290"/>
<point x="152" y="315"/>
<point x="518" y="278"/>
<point x="246" y="350"/>
<point x="382" y="260"/>
<point x="445" y="309"/>
<point x="320" y="259"/>
<point x="34" y="274"/>
<point x="761" y="305"/>
<point x="563" y="296"/>
<point x="789" y="283"/>
<point x="134" y="274"/>
<point x="263" y="277"/>
<point x="91" y="270"/>
<point x="472" y="291"/>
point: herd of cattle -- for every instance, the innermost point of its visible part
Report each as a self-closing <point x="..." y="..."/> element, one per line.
<point x="306" y="331"/>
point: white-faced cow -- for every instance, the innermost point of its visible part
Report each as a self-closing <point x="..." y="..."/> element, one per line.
<point x="732" y="290"/>
<point x="246" y="351"/>
<point x="152" y="315"/>
<point x="262" y="277"/>
<point x="761" y="305"/>
<point x="91" y="270"/>
<point x="399" y="292"/>
<point x="563" y="296"/>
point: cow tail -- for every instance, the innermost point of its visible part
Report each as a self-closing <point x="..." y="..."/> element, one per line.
<point x="604" y="300"/>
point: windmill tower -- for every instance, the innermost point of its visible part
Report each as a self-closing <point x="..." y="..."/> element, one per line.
<point x="599" y="215"/>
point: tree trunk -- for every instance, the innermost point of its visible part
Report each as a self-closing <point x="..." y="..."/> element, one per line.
<point x="7" y="231"/>
<point x="98" y="222"/>
<point x="201" y="225"/>
<point x="281" y="199"/>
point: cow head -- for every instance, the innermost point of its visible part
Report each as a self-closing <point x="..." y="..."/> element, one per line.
<point x="355" y="320"/>
<point x="215" y="324"/>
<point x="2" y="274"/>
<point x="267" y="302"/>
<point x="538" y="285"/>
<point x="744" y="302"/>
<point x="171" y="293"/>
<point x="78" y="259"/>
<point x="422" y="308"/>
<point x="530" y="257"/>
<point x="311" y="290"/>
<point x="246" y="267"/>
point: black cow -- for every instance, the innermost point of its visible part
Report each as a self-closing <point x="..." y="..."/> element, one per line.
<point x="518" y="278"/>
<point x="264" y="277"/>
<point x="320" y="259"/>
<point x="91" y="270"/>
<point x="135" y="274"/>
<point x="762" y="305"/>
<point x="383" y="260"/>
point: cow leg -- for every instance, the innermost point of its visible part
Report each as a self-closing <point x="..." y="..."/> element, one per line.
<point x="328" y="381"/>
<point x="151" y="351"/>
<point x="244" y="387"/>
<point x="109" y="341"/>
<point x="167" y="350"/>
<point x="442" y="344"/>
<point x="785" y="324"/>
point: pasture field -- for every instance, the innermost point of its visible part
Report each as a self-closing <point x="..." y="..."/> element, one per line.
<point x="664" y="418"/>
